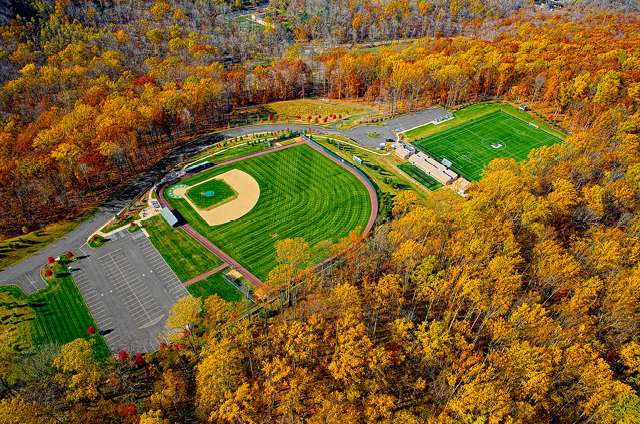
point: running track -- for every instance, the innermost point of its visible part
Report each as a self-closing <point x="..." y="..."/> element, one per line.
<point x="373" y="197"/>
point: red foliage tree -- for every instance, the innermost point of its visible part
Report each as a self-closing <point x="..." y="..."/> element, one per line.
<point x="91" y="330"/>
<point x="51" y="260"/>
<point x="48" y="272"/>
<point x="127" y="410"/>
<point x="69" y="254"/>
<point x="139" y="360"/>
<point x="123" y="355"/>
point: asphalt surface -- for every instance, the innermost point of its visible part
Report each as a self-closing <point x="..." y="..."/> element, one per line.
<point x="373" y="135"/>
<point x="130" y="325"/>
<point x="129" y="289"/>
<point x="366" y="135"/>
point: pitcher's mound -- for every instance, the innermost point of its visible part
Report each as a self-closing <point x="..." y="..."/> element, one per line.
<point x="248" y="193"/>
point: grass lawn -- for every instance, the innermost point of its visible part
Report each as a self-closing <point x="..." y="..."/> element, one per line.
<point x="184" y="255"/>
<point x="17" y="248"/>
<point x="118" y="223"/>
<point x="299" y="110"/>
<point x="210" y="193"/>
<point x="302" y="194"/>
<point x="97" y="241"/>
<point x="215" y="284"/>
<point x="420" y="176"/>
<point x="246" y="24"/>
<point x="475" y="111"/>
<point x="379" y="168"/>
<point x="60" y="314"/>
<point x="306" y="107"/>
<point x="220" y="153"/>
<point x="472" y="145"/>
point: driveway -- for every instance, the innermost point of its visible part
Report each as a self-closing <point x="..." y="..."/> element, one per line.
<point x="373" y="135"/>
<point x="128" y="290"/>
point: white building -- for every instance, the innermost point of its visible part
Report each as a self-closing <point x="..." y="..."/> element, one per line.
<point x="404" y="151"/>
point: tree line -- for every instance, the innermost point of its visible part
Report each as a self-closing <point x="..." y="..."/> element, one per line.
<point x="85" y="106"/>
<point x="517" y="304"/>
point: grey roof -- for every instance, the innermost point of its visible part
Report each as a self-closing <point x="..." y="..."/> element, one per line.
<point x="169" y="216"/>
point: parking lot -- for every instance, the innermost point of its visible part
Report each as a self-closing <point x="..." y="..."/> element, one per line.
<point x="129" y="289"/>
<point x="30" y="282"/>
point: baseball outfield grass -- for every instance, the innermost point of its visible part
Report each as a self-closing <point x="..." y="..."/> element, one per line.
<point x="184" y="255"/>
<point x="470" y="146"/>
<point x="302" y="194"/>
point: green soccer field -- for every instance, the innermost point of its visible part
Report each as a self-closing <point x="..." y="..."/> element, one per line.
<point x="302" y="194"/>
<point x="210" y="193"/>
<point x="472" y="145"/>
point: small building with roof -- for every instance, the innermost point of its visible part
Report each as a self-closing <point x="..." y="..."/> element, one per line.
<point x="432" y="167"/>
<point x="169" y="216"/>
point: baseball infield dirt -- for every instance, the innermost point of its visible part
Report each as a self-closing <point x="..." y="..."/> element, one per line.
<point x="242" y="183"/>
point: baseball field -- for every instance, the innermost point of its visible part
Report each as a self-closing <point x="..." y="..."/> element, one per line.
<point x="301" y="194"/>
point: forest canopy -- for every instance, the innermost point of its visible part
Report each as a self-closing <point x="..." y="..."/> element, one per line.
<point x="517" y="304"/>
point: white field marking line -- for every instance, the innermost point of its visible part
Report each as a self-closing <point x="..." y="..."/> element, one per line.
<point x="213" y="154"/>
<point x="124" y="279"/>
<point x="29" y="280"/>
<point x="150" y="323"/>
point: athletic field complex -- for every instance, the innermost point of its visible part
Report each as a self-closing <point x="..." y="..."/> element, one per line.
<point x="240" y="208"/>
<point x="471" y="142"/>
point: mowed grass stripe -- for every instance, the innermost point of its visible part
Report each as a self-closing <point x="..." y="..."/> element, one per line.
<point x="61" y="315"/>
<point x="302" y="194"/>
<point x="468" y="146"/>
<point x="215" y="284"/>
<point x="184" y="255"/>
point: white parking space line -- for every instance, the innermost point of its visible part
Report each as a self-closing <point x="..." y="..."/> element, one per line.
<point x="135" y="296"/>
<point x="96" y="306"/>
<point x="162" y="270"/>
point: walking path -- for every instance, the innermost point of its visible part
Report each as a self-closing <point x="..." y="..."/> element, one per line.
<point x="373" y="197"/>
<point x="78" y="237"/>
<point x="205" y="275"/>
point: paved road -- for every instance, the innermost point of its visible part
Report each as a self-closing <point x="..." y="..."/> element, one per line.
<point x="135" y="329"/>
<point x="366" y="135"/>
<point x="76" y="238"/>
<point x="15" y="274"/>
